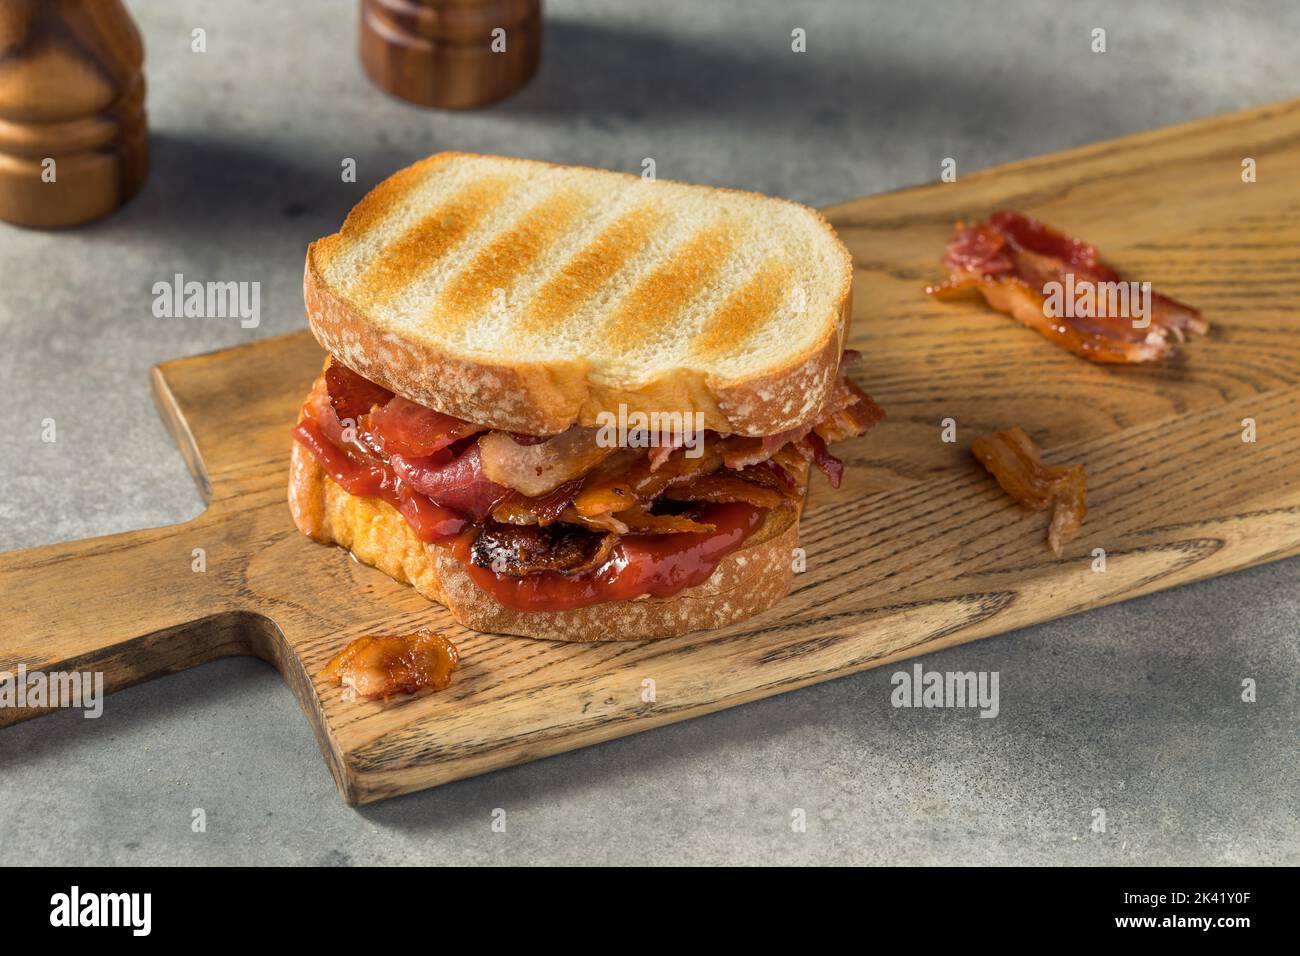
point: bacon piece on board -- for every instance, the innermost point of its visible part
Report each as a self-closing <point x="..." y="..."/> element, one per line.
<point x="379" y="666"/>
<point x="1010" y="259"/>
<point x="1015" y="461"/>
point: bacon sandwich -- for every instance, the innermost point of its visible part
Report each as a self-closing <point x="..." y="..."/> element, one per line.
<point x="489" y="320"/>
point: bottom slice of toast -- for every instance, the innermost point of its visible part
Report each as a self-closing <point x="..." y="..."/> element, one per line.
<point x="745" y="582"/>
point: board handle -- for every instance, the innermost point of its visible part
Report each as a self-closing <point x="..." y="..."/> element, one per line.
<point x="128" y="607"/>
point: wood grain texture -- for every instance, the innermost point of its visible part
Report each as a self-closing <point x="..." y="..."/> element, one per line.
<point x="918" y="551"/>
<point x="71" y="91"/>
<point x="440" y="52"/>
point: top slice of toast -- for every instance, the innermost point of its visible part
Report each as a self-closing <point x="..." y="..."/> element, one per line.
<point x="528" y="297"/>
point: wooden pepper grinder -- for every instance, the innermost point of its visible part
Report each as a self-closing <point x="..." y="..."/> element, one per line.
<point x="451" y="53"/>
<point x="73" y="136"/>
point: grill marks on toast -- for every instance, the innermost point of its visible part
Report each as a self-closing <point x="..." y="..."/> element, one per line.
<point x="379" y="203"/>
<point x="430" y="239"/>
<point x="580" y="279"/>
<point x="501" y="263"/>
<point x="746" y="310"/>
<point x="616" y="290"/>
<point x="668" y="290"/>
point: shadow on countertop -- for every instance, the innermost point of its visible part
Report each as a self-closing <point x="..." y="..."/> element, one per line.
<point x="231" y="189"/>
<point x="613" y="76"/>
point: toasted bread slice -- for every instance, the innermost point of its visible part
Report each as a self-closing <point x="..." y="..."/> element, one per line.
<point x="528" y="297"/>
<point x="745" y="582"/>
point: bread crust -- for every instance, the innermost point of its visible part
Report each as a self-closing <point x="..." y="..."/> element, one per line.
<point x="542" y="398"/>
<point x="745" y="582"/>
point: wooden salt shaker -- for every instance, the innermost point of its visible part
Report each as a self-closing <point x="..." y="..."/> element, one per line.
<point x="73" y="136"/>
<point x="451" y="53"/>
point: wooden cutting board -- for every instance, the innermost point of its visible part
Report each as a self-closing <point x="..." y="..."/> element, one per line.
<point x="920" y="550"/>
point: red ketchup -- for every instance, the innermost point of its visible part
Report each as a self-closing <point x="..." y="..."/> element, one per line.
<point x="371" y="478"/>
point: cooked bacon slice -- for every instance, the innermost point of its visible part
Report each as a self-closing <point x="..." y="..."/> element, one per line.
<point x="413" y="431"/>
<point x="517" y="508"/>
<point x="601" y="522"/>
<point x="846" y="392"/>
<point x="351" y="395"/>
<point x="320" y="409"/>
<point x="849" y="412"/>
<point x="1009" y="259"/>
<point x="635" y="519"/>
<point x="741" y="451"/>
<point x="538" y="468"/>
<point x="381" y="666"/>
<point x="355" y="471"/>
<point x="853" y="413"/>
<point x="639" y="520"/>
<point x="666" y="446"/>
<point x="433" y="467"/>
<point x="525" y="549"/>
<point x="458" y="484"/>
<point x="790" y="469"/>
<point x="620" y="488"/>
<point x="813" y="447"/>
<point x="852" y="418"/>
<point x="1015" y="461"/>
<point x="753" y="486"/>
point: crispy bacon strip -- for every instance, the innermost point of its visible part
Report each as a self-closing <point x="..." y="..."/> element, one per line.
<point x="852" y="418"/>
<point x="350" y="394"/>
<point x="559" y="503"/>
<point x="381" y="666"/>
<point x="517" y="508"/>
<point x="640" y="521"/>
<point x="457" y="482"/>
<point x="849" y="412"/>
<point x="1015" y="461"/>
<point x="790" y="470"/>
<point x="667" y="445"/>
<point x="726" y="487"/>
<point x="813" y="447"/>
<point x="405" y="428"/>
<point x="741" y="451"/>
<point x="538" y="468"/>
<point x="620" y="488"/>
<point x="1010" y="258"/>
<point x="525" y="549"/>
<point x="605" y="521"/>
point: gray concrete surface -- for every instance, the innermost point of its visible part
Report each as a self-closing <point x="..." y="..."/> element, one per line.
<point x="1133" y="709"/>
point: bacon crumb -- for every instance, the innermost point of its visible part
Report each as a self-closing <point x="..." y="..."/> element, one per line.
<point x="1060" y="287"/>
<point x="1015" y="461"/>
<point x="381" y="666"/>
